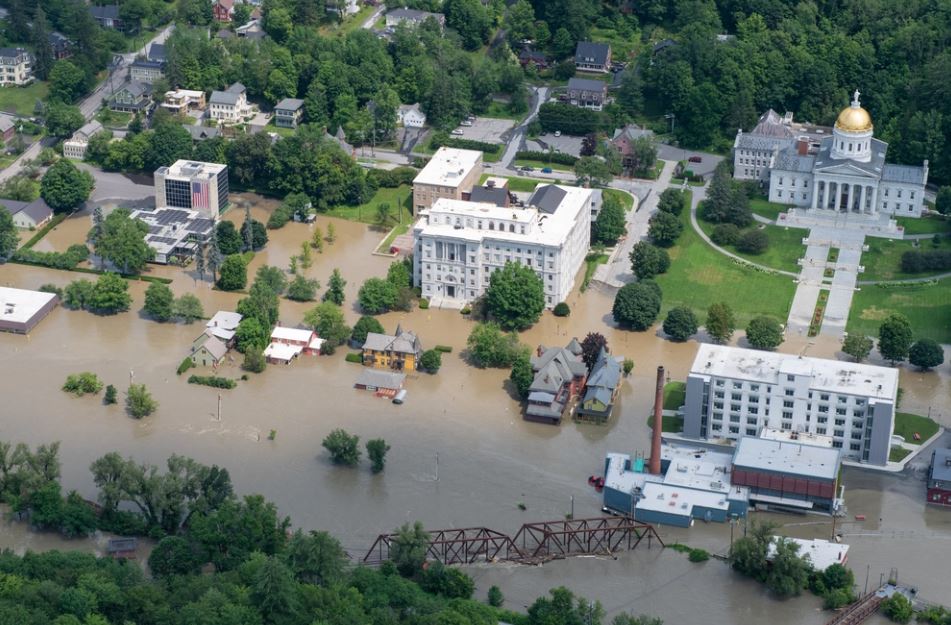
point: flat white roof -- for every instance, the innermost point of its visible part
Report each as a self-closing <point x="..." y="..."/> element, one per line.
<point x="183" y="168"/>
<point x="292" y="334"/>
<point x="822" y="553"/>
<point x="786" y="457"/>
<point x="678" y="500"/>
<point x="766" y="367"/>
<point x="225" y="319"/>
<point x="21" y="305"/>
<point x="282" y="351"/>
<point x="806" y="438"/>
<point x="448" y="167"/>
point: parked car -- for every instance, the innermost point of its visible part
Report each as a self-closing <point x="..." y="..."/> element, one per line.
<point x="528" y="168"/>
<point x="465" y="122"/>
<point x="695" y="159"/>
<point x="457" y="131"/>
<point x="546" y="170"/>
<point x="557" y="133"/>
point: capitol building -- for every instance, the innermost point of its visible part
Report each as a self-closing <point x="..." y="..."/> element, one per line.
<point x="841" y="169"/>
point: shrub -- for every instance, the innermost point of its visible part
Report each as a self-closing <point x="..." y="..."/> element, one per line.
<point x="628" y="366"/>
<point x="213" y="381"/>
<point x="637" y="305"/>
<point x="898" y="608"/>
<point x="545" y="157"/>
<point x="185" y="366"/>
<point x="490" y="347"/>
<point x="356" y="357"/>
<point x="69" y="259"/>
<point x="442" y="139"/>
<point x="139" y="402"/>
<point x="754" y="241"/>
<point x="364" y="326"/>
<point x="764" y="333"/>
<point x="561" y="310"/>
<point x="52" y="288"/>
<point x="81" y="383"/>
<point x="916" y="261"/>
<point x="110" y="396"/>
<point x="376" y="451"/>
<point x="725" y="234"/>
<point x="254" y="360"/>
<point x="680" y="323"/>
<point x="424" y="304"/>
<point x="495" y="597"/>
<point x="344" y="448"/>
<point x="443" y="348"/>
<point x="698" y="555"/>
<point x="430" y="361"/>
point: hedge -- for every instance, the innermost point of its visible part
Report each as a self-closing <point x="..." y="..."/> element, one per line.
<point x="915" y="261"/>
<point x="442" y="140"/>
<point x="57" y="260"/>
<point x="546" y="157"/>
<point x="354" y="357"/>
<point x="445" y="349"/>
<point x="185" y="366"/>
<point x="211" y="380"/>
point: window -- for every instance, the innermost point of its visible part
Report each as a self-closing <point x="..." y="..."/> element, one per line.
<point x="839" y="411"/>
<point x="734" y="418"/>
<point x="751" y="420"/>
<point x="787" y="414"/>
<point x="855" y="446"/>
<point x="751" y="431"/>
<point x="752" y="410"/>
<point x="718" y="405"/>
<point x="820" y="430"/>
<point x="823" y="409"/>
<point x="719" y="383"/>
<point x="737" y="385"/>
<point x="822" y="420"/>
<point x="789" y="392"/>
<point x="840" y="421"/>
<point x="736" y="396"/>
<point x="716" y="427"/>
<point x="898" y="192"/>
<point x="734" y="429"/>
<point x="735" y="407"/>
<point x="787" y="404"/>
<point x="838" y="433"/>
<point x="718" y="394"/>
<point x="754" y="387"/>
<point x="753" y="399"/>
<point x="824" y="397"/>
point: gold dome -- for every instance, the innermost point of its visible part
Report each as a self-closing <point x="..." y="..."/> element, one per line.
<point x="854" y="119"/>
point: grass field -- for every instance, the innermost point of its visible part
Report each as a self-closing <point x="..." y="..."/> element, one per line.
<point x="692" y="183"/>
<point x="500" y="110"/>
<point x="897" y="454"/>
<point x="674" y="395"/>
<point x="402" y="228"/>
<point x="21" y="100"/>
<point x="668" y="424"/>
<point x="518" y="183"/>
<point x="928" y="308"/>
<point x="699" y="276"/>
<point x="591" y="263"/>
<point x="882" y="261"/>
<point x="785" y="247"/>
<point x="523" y="162"/>
<point x="764" y="208"/>
<point x="626" y="199"/>
<point x="621" y="46"/>
<point x="925" y="225"/>
<point x="907" y="425"/>
<point x="366" y="212"/>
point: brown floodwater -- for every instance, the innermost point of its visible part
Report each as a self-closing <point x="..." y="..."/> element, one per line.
<point x="465" y="415"/>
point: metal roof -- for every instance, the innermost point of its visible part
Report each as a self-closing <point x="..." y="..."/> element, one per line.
<point x="289" y="104"/>
<point x="591" y="50"/>
<point x="791" y="458"/>
<point x="790" y="160"/>
<point x="223" y="97"/>
<point x="909" y="174"/>
<point x="941" y="465"/>
<point x="586" y="84"/>
<point x="492" y="195"/>
<point x="380" y="379"/>
<point x="547" y="198"/>
<point x="874" y="166"/>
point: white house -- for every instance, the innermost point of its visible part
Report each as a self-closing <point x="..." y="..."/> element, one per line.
<point x="229" y="106"/>
<point x="458" y="244"/>
<point x="16" y="66"/>
<point x="75" y="147"/>
<point x="411" y="116"/>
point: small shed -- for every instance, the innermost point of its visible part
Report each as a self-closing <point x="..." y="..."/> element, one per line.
<point x="376" y="380"/>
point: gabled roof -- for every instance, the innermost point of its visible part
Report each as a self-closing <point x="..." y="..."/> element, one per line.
<point x="909" y="174"/>
<point x="289" y="104"/>
<point x="586" y="84"/>
<point x="574" y="346"/>
<point x="492" y="195"/>
<point x="136" y="89"/>
<point x="380" y="379"/>
<point x="89" y="129"/>
<point x="110" y="12"/>
<point x="591" y="50"/>
<point x="223" y="97"/>
<point x="606" y="372"/>
<point x="38" y="210"/>
<point x="874" y="167"/>
<point x="200" y="133"/>
<point x="547" y="198"/>
<point x="401" y="343"/>
<point x="214" y="347"/>
<point x="6" y="123"/>
<point x="156" y="52"/>
<point x="224" y="319"/>
<point x="237" y="88"/>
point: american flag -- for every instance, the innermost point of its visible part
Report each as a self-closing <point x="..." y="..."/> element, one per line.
<point x="199" y="195"/>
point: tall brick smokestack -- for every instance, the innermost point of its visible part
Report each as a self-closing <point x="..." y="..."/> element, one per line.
<point x="654" y="466"/>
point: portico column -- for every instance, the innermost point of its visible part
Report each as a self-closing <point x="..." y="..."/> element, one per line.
<point x="815" y="194"/>
<point x="873" y="209"/>
<point x="830" y="193"/>
<point x="848" y="208"/>
<point x="861" y="208"/>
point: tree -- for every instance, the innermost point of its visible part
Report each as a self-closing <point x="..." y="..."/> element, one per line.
<point x="753" y="241"/>
<point x="610" y="223"/>
<point x="274" y="591"/>
<point x="490" y="347"/>
<point x="110" y="396"/>
<point x="382" y="214"/>
<point x="42" y="52"/>
<point x="562" y="607"/>
<point x="62" y="120"/>
<point x="515" y="297"/>
<point x="315" y="557"/>
<point x="81" y="383"/>
<point x="748" y="555"/>
<point x="67" y="81"/>
<point x="8" y="234"/>
<point x="302" y="289"/>
<point x="331" y="233"/>
<point x="377" y="296"/>
<point x="328" y="322"/>
<point x="120" y="240"/>
<point x="593" y="170"/>
<point x="343" y="447"/>
<point x="942" y="201"/>
<point x="858" y="346"/>
<point x="439" y="579"/>
<point x="250" y="334"/>
<point x="363" y="326"/>
<point x="272" y="278"/>
<point x="591" y="348"/>
<point x="725" y="234"/>
<point x="643" y="156"/>
<point x="158" y="301"/>
<point x="376" y="452"/>
<point x="64" y="187"/>
<point x="229" y="531"/>
<point x="665" y="229"/>
<point x="764" y="332"/>
<point x="257" y="238"/>
<point x="306" y="257"/>
<point x="898" y="608"/>
<point x="720" y="323"/>
<point x="522" y="375"/>
<point x="894" y="338"/>
<point x="671" y="201"/>
<point x="335" y="286"/>
<point x="630" y="619"/>
<point x="648" y="260"/>
<point x="430" y="361"/>
<point x="78" y="294"/>
<point x="254" y="360"/>
<point x="926" y="354"/>
<point x="637" y="305"/>
<point x="173" y="555"/>
<point x="234" y="273"/>
<point x="188" y="308"/>
<point x="788" y="572"/>
<point x="229" y="241"/>
<point x="409" y="548"/>
<point x="400" y="273"/>
<point x="680" y="323"/>
<point x="495" y="596"/>
<point x="169" y="143"/>
<point x="109" y="295"/>
<point x="139" y="402"/>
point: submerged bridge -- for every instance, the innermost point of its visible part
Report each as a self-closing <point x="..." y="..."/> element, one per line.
<point x="533" y="543"/>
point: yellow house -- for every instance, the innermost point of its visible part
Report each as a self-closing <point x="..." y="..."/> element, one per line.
<point x="400" y="352"/>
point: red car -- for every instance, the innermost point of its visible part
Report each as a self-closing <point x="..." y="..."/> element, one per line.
<point x="695" y="159"/>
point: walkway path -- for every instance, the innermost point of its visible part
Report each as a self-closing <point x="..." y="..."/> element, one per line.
<point x="515" y="141"/>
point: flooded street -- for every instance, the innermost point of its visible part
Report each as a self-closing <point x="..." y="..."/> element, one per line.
<point x="489" y="459"/>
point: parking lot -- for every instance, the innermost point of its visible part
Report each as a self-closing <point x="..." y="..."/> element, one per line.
<point x="486" y="129"/>
<point x="565" y="144"/>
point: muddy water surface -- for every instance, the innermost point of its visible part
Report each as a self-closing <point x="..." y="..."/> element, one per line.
<point x="489" y="459"/>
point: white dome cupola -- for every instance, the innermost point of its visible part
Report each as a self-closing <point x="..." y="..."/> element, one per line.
<point x="852" y="134"/>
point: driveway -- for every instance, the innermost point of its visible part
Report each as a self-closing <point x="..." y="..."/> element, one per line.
<point x="122" y="189"/>
<point x="565" y="144"/>
<point x="708" y="162"/>
<point x="517" y="138"/>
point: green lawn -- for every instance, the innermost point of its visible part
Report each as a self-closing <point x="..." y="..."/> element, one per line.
<point x="626" y="199"/>
<point x="668" y="424"/>
<point x="674" y="395"/>
<point x="925" y="225"/>
<point x="518" y="183"/>
<point x="591" y="265"/>
<point x="907" y="425"/>
<point x="528" y="162"/>
<point x="366" y="212"/>
<point x="927" y="306"/>
<point x="785" y="247"/>
<point x="767" y="209"/>
<point x="699" y="276"/>
<point x="882" y="261"/>
<point x="500" y="110"/>
<point x="115" y="119"/>
<point x="280" y="130"/>
<point x="356" y="20"/>
<point x="676" y="182"/>
<point x="897" y="454"/>
<point x="21" y="100"/>
<point x="402" y="228"/>
<point x="622" y="46"/>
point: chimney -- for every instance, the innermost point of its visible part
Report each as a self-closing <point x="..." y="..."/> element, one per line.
<point x="802" y="146"/>
<point x="654" y="466"/>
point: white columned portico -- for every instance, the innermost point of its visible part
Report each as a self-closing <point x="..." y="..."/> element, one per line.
<point x="873" y="209"/>
<point x="848" y="207"/>
<point x="815" y="194"/>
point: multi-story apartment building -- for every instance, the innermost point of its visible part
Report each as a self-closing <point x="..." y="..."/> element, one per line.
<point x="458" y="244"/>
<point x="448" y="174"/>
<point x="202" y="187"/>
<point x="16" y="66"/>
<point x="734" y="392"/>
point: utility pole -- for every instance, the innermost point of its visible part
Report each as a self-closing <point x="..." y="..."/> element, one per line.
<point x="572" y="507"/>
<point x="131" y="376"/>
<point x="437" y="466"/>
<point x="868" y="568"/>
<point x="219" y="406"/>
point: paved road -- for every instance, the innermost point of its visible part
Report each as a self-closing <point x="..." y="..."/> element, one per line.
<point x="540" y="95"/>
<point x="368" y="23"/>
<point x="93" y="102"/>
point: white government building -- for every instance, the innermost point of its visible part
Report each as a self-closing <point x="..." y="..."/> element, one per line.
<point x="845" y="172"/>
<point x="734" y="392"/>
<point x="458" y="244"/>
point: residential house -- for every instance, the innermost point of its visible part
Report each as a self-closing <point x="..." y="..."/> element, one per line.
<point x="201" y="133"/>
<point x="251" y="30"/>
<point x="532" y="57"/>
<point x="16" y="67"/>
<point x="400" y="351"/>
<point x="559" y="377"/>
<point x="587" y="93"/>
<point x="157" y="53"/>
<point x="343" y="8"/>
<point x="411" y="116"/>
<point x="60" y="46"/>
<point x="288" y="112"/>
<point x="593" y="57"/>
<point x="223" y="326"/>
<point x="289" y="343"/>
<point x="106" y="16"/>
<point x="601" y="389"/>
<point x="184" y="100"/>
<point x="27" y="215"/>
<point x="222" y="10"/>
<point x="382" y="382"/>
<point x="8" y="128"/>
<point x="229" y="106"/>
<point x="412" y="17"/>
<point x="146" y="71"/>
<point x="75" y="147"/>
<point x="208" y="350"/>
<point x="624" y="140"/>
<point x="132" y="97"/>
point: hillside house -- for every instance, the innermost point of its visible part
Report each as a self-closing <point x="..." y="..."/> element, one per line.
<point x="587" y="93"/>
<point x="229" y="106"/>
<point x="287" y="112"/>
<point x="593" y="57"/>
<point x="132" y="97"/>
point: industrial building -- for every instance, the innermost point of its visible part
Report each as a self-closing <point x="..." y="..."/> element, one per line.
<point x="194" y="185"/>
<point x="175" y="233"/>
<point x="734" y="393"/>
<point x="450" y="173"/>
<point x="21" y="310"/>
<point x="939" y="478"/>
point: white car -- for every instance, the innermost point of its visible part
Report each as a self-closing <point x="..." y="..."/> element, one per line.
<point x="457" y="131"/>
<point x="557" y="133"/>
<point x="465" y="122"/>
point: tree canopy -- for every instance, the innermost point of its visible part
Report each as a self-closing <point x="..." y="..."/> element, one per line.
<point x="515" y="297"/>
<point x="64" y="187"/>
